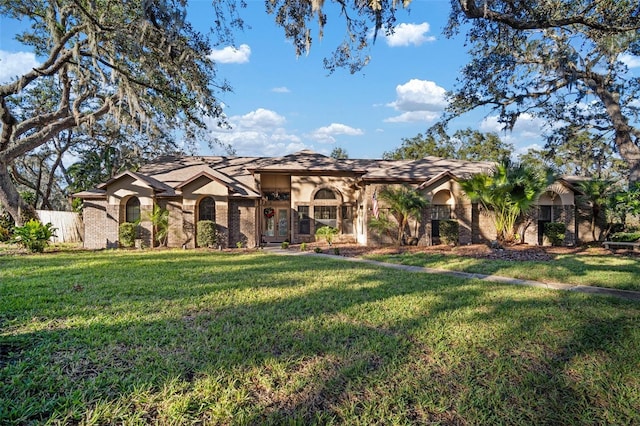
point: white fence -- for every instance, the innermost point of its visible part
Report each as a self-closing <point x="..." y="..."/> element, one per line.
<point x="69" y="227"/>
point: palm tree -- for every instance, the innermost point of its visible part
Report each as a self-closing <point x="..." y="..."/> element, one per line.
<point x="509" y="191"/>
<point x="596" y="193"/>
<point x="404" y="203"/>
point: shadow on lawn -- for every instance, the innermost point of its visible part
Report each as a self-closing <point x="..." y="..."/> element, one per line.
<point x="396" y="347"/>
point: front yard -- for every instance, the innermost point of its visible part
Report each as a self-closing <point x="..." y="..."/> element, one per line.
<point x="173" y="337"/>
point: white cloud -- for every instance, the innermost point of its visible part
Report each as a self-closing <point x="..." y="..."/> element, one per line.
<point x="281" y="89"/>
<point x="14" y="64"/>
<point x="418" y="100"/>
<point x="231" y="55"/>
<point x="413" y="117"/>
<point x="259" y="119"/>
<point x="258" y="133"/>
<point x="409" y="34"/>
<point x="631" y="61"/>
<point x="326" y="134"/>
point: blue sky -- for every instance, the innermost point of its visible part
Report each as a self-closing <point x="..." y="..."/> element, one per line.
<point x="282" y="103"/>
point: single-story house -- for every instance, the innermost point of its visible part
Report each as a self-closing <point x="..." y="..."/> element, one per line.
<point x="255" y="200"/>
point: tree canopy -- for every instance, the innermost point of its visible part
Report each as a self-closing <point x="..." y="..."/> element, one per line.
<point x="560" y="60"/>
<point x="466" y="144"/>
<point x="140" y="63"/>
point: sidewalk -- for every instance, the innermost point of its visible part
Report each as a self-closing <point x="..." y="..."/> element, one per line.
<point x="622" y="294"/>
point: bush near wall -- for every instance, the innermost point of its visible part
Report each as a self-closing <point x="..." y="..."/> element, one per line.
<point x="555" y="232"/>
<point x="206" y="233"/>
<point x="127" y="234"/>
<point x="626" y="237"/>
<point x="449" y="232"/>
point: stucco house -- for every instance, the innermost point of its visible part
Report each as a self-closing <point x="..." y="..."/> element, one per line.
<point x="256" y="200"/>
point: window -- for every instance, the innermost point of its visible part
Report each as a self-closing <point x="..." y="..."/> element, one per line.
<point x="132" y="211"/>
<point x="304" y="222"/>
<point x="325" y="215"/>
<point x="207" y="209"/>
<point x="440" y="212"/>
<point x="545" y="213"/>
<point x="325" y="194"/>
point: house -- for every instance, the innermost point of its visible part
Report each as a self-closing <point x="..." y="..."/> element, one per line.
<point x="255" y="200"/>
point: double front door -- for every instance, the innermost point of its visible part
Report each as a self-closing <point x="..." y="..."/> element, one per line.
<point x="275" y="224"/>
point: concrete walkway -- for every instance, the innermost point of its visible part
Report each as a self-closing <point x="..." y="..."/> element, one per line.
<point x="622" y="294"/>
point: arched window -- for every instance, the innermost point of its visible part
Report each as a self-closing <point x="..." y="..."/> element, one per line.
<point x="207" y="209"/>
<point x="132" y="211"/>
<point x="325" y="194"/>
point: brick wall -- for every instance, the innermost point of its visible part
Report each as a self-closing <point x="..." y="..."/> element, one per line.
<point x="242" y="223"/>
<point x="100" y="224"/>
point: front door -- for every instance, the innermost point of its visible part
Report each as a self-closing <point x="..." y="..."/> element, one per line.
<point x="276" y="225"/>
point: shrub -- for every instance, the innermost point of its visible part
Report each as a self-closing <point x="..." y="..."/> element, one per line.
<point x="626" y="237"/>
<point x="284" y="245"/>
<point x="206" y="235"/>
<point x="303" y="247"/>
<point x="554" y="231"/>
<point x="336" y="251"/>
<point x="449" y="232"/>
<point x="239" y="244"/>
<point x="34" y="236"/>
<point x="5" y="235"/>
<point x="327" y="233"/>
<point x="317" y="250"/>
<point x="127" y="234"/>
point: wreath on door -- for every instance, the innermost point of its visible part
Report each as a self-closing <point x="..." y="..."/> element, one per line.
<point x="269" y="212"/>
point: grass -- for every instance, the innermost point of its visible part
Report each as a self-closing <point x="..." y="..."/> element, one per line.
<point x="175" y="337"/>
<point x="619" y="272"/>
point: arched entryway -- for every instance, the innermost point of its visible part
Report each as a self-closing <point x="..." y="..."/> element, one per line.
<point x="549" y="210"/>
<point x="442" y="205"/>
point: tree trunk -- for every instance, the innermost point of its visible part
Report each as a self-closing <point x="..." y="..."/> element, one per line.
<point x="11" y="200"/>
<point x="624" y="133"/>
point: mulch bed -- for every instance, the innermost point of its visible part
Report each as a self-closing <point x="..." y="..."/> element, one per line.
<point x="518" y="252"/>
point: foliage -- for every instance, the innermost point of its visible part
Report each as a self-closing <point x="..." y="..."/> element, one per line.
<point x="449" y="231"/>
<point x="327" y="233"/>
<point x="421" y="146"/>
<point x="555" y="232"/>
<point x="159" y="218"/>
<point x="239" y="244"/>
<point x="467" y="144"/>
<point x="623" y="203"/>
<point x="128" y="233"/>
<point x="403" y="203"/>
<point x="303" y="247"/>
<point x="625" y="237"/>
<point x="339" y="153"/>
<point x="508" y="191"/>
<point x="317" y="250"/>
<point x="383" y="224"/>
<point x="33" y="235"/>
<point x="206" y="235"/>
<point x="140" y="63"/>
<point x="5" y="234"/>
<point x="284" y="245"/>
<point x="562" y="62"/>
<point x="596" y="194"/>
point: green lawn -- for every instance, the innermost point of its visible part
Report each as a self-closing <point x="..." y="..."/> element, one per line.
<point x="176" y="337"/>
<point x="608" y="270"/>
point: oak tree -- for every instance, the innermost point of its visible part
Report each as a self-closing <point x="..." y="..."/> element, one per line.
<point x="140" y="63"/>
